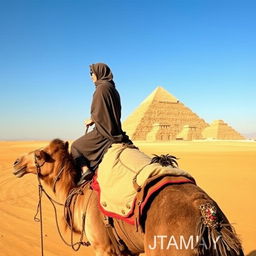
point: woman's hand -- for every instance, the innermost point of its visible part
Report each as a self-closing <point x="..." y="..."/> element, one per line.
<point x="88" y="122"/>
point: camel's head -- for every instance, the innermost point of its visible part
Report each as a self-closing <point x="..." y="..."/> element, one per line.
<point x="45" y="158"/>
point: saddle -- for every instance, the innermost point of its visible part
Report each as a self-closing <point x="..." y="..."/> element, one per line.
<point x="115" y="178"/>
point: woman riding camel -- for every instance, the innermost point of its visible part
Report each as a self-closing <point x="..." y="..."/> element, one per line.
<point x="89" y="149"/>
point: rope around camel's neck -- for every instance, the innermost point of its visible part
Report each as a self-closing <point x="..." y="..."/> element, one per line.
<point x="65" y="183"/>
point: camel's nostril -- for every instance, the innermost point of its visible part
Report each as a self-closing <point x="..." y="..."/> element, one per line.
<point x="16" y="161"/>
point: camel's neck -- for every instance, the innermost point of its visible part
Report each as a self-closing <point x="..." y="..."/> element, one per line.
<point x="63" y="179"/>
<point x="65" y="183"/>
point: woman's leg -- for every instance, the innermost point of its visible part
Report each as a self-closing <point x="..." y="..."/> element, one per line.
<point x="76" y="152"/>
<point x="89" y="149"/>
<point x="77" y="147"/>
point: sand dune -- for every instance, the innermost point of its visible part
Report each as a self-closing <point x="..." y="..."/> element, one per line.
<point x="225" y="170"/>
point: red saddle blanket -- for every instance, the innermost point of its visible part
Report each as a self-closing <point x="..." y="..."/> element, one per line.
<point x="150" y="188"/>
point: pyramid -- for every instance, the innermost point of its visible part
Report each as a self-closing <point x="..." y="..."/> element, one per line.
<point x="160" y="116"/>
<point x="220" y="130"/>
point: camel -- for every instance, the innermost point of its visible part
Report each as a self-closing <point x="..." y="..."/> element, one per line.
<point x="173" y="225"/>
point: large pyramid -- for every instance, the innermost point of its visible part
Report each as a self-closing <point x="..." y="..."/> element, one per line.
<point x="222" y="131"/>
<point x="162" y="117"/>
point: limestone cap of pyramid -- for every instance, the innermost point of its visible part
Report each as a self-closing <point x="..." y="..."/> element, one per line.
<point x="160" y="94"/>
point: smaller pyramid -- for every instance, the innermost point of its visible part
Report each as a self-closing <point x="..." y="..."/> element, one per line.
<point x="222" y="131"/>
<point x="189" y="133"/>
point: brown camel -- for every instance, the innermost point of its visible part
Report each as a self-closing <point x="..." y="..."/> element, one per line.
<point x="174" y="224"/>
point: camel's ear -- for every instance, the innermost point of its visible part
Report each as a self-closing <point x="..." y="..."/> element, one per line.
<point x="66" y="145"/>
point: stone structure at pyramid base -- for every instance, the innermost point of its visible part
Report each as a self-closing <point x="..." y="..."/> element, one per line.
<point x="162" y="117"/>
<point x="161" y="132"/>
<point x="189" y="133"/>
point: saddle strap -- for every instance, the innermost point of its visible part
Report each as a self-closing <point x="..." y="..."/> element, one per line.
<point x="116" y="241"/>
<point x="132" y="240"/>
<point x="69" y="208"/>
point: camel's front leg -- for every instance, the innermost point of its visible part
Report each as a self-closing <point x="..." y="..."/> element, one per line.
<point x="96" y="231"/>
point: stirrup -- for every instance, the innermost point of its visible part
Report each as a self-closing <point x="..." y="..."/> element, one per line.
<point x="85" y="177"/>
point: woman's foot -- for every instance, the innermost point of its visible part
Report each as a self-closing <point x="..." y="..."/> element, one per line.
<point x="86" y="175"/>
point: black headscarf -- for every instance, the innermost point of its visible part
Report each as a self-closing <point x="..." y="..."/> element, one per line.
<point x="102" y="72"/>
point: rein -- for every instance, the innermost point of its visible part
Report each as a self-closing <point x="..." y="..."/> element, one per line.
<point x="75" y="246"/>
<point x="57" y="178"/>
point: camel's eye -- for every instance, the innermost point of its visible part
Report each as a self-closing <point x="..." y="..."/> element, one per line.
<point x="37" y="155"/>
<point x="42" y="155"/>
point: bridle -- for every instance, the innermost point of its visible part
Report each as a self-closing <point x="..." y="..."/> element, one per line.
<point x="75" y="245"/>
<point x="38" y="168"/>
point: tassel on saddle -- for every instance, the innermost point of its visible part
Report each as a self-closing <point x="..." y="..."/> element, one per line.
<point x="165" y="160"/>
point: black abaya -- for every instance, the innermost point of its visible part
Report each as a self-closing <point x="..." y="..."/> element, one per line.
<point x="106" y="114"/>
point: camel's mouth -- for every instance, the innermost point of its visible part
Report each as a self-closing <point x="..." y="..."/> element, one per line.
<point x="19" y="173"/>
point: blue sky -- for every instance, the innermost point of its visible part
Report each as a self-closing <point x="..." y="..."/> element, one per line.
<point x="201" y="51"/>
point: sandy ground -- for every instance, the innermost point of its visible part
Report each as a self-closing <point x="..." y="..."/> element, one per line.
<point x="225" y="170"/>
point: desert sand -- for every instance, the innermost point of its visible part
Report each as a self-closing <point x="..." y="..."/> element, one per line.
<point x="226" y="170"/>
